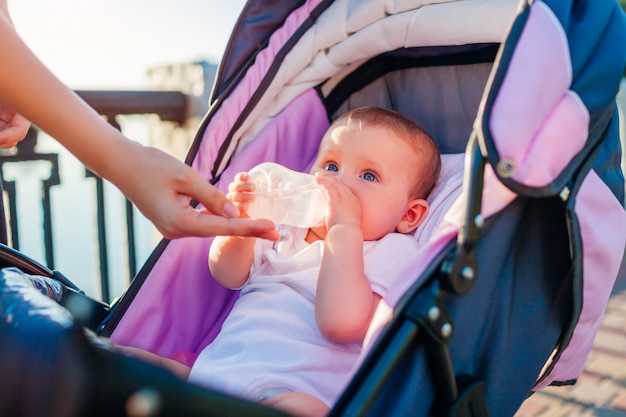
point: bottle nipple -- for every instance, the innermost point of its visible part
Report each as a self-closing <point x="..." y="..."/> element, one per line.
<point x="286" y="197"/>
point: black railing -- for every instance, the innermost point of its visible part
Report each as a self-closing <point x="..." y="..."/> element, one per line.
<point x="168" y="105"/>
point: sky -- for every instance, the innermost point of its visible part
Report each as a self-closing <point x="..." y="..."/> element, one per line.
<point x="109" y="44"/>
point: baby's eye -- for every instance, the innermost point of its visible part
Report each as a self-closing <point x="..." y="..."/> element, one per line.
<point x="331" y="167"/>
<point x="368" y="176"/>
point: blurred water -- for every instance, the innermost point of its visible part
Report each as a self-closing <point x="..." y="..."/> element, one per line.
<point x="74" y="222"/>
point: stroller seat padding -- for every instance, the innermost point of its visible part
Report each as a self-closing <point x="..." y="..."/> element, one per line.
<point x="447" y="190"/>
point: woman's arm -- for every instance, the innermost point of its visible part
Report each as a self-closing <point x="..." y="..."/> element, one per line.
<point x="13" y="126"/>
<point x="158" y="184"/>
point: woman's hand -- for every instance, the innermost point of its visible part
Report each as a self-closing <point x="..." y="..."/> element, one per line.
<point x="13" y="127"/>
<point x="162" y="187"/>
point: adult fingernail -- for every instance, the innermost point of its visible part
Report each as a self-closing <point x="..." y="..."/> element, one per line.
<point x="230" y="210"/>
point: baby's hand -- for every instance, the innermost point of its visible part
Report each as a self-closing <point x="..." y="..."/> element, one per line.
<point x="343" y="206"/>
<point x="240" y="193"/>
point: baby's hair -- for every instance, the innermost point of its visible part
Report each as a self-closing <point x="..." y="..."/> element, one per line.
<point x="422" y="143"/>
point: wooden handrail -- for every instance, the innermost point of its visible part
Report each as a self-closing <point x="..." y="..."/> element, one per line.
<point x="168" y="105"/>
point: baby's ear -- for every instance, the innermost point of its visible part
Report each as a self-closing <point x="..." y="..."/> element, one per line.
<point x="416" y="212"/>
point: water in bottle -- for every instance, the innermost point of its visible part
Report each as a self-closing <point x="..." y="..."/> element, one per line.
<point x="286" y="197"/>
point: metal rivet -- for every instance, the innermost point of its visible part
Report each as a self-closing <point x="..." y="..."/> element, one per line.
<point x="446" y="330"/>
<point x="145" y="402"/>
<point x="506" y="168"/>
<point x="433" y="313"/>
<point x="467" y="273"/>
<point x="479" y="221"/>
<point x="564" y="193"/>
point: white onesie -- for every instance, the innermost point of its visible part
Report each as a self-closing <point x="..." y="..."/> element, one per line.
<point x="270" y="342"/>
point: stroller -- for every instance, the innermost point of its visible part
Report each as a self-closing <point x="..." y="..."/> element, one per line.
<point x="520" y="252"/>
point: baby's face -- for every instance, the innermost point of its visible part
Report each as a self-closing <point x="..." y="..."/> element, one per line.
<point x="377" y="166"/>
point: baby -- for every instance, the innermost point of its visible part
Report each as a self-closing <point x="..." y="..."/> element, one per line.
<point x="295" y="334"/>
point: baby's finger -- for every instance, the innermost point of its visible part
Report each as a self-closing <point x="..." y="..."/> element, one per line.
<point x="242" y="177"/>
<point x="332" y="184"/>
<point x="241" y="187"/>
<point x="237" y="197"/>
<point x="243" y="207"/>
<point x="325" y="179"/>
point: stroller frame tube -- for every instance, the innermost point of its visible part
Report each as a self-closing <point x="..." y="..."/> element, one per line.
<point x="458" y="272"/>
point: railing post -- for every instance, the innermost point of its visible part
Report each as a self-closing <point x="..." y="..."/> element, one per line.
<point x="103" y="256"/>
<point x="25" y="151"/>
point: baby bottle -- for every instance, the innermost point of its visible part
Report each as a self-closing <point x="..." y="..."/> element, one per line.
<point x="286" y="197"/>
